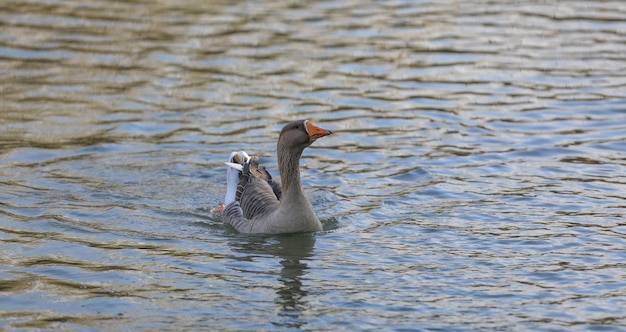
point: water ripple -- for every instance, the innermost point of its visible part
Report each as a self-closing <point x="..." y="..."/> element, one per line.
<point x="474" y="180"/>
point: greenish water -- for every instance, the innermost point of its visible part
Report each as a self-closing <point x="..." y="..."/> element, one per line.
<point x="475" y="180"/>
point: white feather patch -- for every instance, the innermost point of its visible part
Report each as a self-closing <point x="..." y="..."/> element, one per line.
<point x="245" y="156"/>
<point x="232" y="175"/>
<point x="234" y="166"/>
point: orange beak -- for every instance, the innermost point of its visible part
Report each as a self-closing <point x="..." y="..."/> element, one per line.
<point x="316" y="132"/>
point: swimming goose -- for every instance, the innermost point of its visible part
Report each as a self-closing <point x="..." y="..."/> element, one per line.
<point x="257" y="203"/>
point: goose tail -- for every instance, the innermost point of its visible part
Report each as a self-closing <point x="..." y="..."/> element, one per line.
<point x="234" y="167"/>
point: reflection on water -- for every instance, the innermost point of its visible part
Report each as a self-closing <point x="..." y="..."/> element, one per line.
<point x="475" y="180"/>
<point x="293" y="251"/>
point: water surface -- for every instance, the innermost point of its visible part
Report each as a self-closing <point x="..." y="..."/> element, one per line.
<point x="475" y="180"/>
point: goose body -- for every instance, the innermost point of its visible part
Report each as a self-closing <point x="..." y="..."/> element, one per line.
<point x="257" y="203"/>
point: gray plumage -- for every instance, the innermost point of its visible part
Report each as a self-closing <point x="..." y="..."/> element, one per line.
<point x="262" y="204"/>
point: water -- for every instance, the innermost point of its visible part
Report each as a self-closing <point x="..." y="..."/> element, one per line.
<point x="475" y="180"/>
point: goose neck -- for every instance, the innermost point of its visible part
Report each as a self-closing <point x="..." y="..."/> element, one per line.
<point x="289" y="168"/>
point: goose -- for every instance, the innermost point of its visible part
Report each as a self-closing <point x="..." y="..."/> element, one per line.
<point x="256" y="203"/>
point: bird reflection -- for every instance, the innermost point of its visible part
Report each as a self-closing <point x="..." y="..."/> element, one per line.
<point x="293" y="250"/>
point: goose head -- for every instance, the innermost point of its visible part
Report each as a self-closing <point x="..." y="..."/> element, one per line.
<point x="300" y="134"/>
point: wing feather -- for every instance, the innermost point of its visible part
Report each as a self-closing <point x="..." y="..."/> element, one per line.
<point x="257" y="195"/>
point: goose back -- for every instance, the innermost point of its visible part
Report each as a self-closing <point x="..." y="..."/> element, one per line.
<point x="257" y="192"/>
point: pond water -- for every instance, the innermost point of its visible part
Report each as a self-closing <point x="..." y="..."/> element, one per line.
<point x="475" y="180"/>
